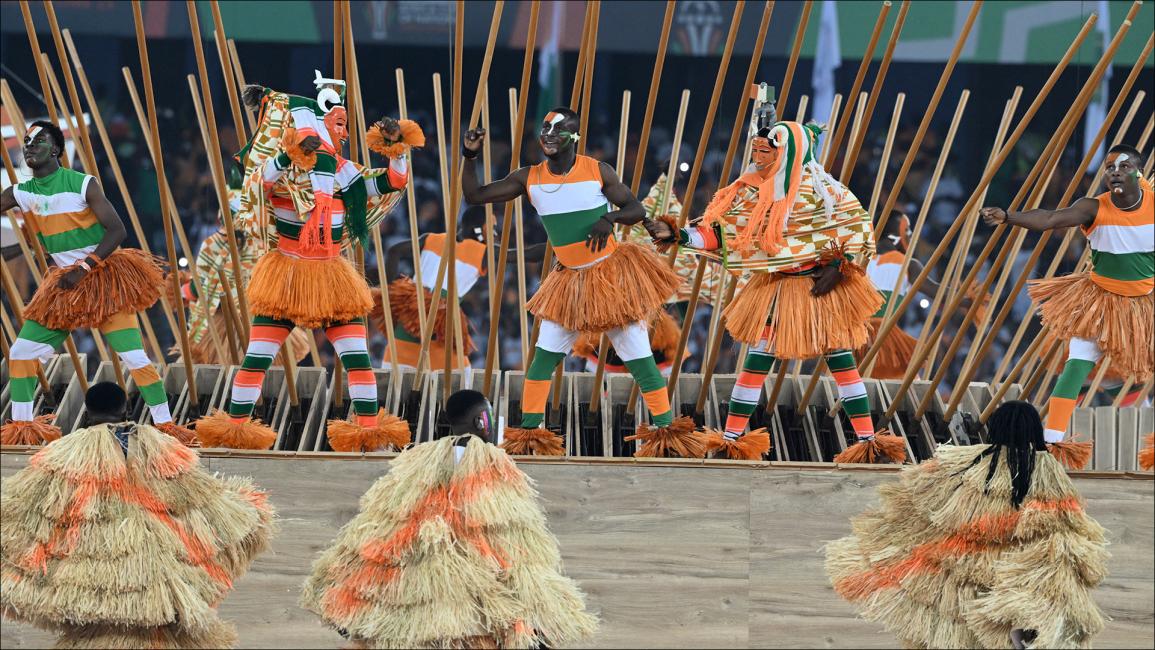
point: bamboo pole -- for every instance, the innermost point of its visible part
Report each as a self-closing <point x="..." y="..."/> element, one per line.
<point x="516" y="207"/>
<point x="517" y="124"/>
<point x="875" y="93"/>
<point x="490" y="218"/>
<point x="1122" y="394"/>
<point x="795" y="51"/>
<point x="1096" y="381"/>
<point x="73" y="97"/>
<point x="836" y="136"/>
<point x="651" y="101"/>
<point x="886" y="149"/>
<point x="166" y="215"/>
<point x="1012" y="140"/>
<point x="228" y="72"/>
<point x="25" y="250"/>
<point x="129" y="206"/>
<point x="34" y="41"/>
<point x="411" y="206"/>
<point x="232" y="332"/>
<point x="971" y="366"/>
<point x="723" y="178"/>
<point x="931" y="108"/>
<point x="1051" y="158"/>
<point x="339" y="9"/>
<point x="240" y="79"/>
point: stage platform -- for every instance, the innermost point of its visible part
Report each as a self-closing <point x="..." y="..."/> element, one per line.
<point x="671" y="553"/>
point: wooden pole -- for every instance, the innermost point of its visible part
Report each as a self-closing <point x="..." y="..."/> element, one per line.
<point x="651" y="100"/>
<point x="34" y="41"/>
<point x="836" y="136"/>
<point x="516" y="131"/>
<point x="971" y="367"/>
<point x="240" y="79"/>
<point x="516" y="206"/>
<point x="411" y="205"/>
<point x="166" y="215"/>
<point x="227" y="69"/>
<point x="1044" y="164"/>
<point x="795" y="51"/>
<point x="970" y="205"/>
<point x="875" y="93"/>
<point x="886" y="149"/>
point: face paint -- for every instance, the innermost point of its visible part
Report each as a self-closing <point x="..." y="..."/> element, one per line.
<point x="1120" y="163"/>
<point x="32" y="133"/>
<point x="552" y="126"/>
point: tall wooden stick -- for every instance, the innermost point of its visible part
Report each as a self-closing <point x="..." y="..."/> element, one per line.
<point x="516" y="132"/>
<point x="411" y="207"/>
<point x="227" y="69"/>
<point x="239" y="73"/>
<point x="30" y="28"/>
<point x="522" y="313"/>
<point x="970" y="205"/>
<point x="166" y="215"/>
<point x="1056" y="144"/>
<point x="971" y="367"/>
<point x="795" y="51"/>
<point x="651" y="100"/>
<point x="886" y="149"/>
<point x="875" y="93"/>
<point x="836" y="136"/>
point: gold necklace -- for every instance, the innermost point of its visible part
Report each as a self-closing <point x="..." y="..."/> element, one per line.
<point x="545" y="166"/>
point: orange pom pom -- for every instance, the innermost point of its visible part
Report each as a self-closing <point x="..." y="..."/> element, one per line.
<point x="410" y="135"/>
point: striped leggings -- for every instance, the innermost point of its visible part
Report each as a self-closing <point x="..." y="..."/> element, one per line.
<point x="267" y="335"/>
<point x="1081" y="359"/>
<point x="760" y="361"/>
<point x="632" y="343"/>
<point x="36" y="343"/>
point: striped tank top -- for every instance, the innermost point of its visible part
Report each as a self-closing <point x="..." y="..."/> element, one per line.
<point x="569" y="205"/>
<point x="55" y="208"/>
<point x="470" y="263"/>
<point x="883" y="272"/>
<point x="1123" y="247"/>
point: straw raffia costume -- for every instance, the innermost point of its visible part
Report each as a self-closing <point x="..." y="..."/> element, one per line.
<point x="450" y="549"/>
<point x="780" y="228"/>
<point x="114" y="537"/>
<point x="313" y="199"/>
<point x="897" y="348"/>
<point x="107" y="298"/>
<point x="947" y="561"/>
<point x="615" y="291"/>
<point x="1107" y="311"/>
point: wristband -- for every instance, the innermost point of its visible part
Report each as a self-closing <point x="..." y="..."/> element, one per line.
<point x="84" y="265"/>
<point x="467" y="154"/>
<point x="94" y="259"/>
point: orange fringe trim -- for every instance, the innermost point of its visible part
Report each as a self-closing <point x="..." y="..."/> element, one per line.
<point x="804" y="326"/>
<point x="311" y="293"/>
<point x="218" y="430"/>
<point x="184" y="435"/>
<point x="1147" y="454"/>
<point x="883" y="446"/>
<point x="406" y="311"/>
<point x="1123" y="326"/>
<point x="129" y="280"/>
<point x="532" y="442"/>
<point x="748" y="447"/>
<point x="1071" y="453"/>
<point x="291" y="144"/>
<point x="895" y="354"/>
<point x="390" y="431"/>
<point x="625" y="288"/>
<point x="411" y="136"/>
<point x="39" y="431"/>
<point x="679" y="440"/>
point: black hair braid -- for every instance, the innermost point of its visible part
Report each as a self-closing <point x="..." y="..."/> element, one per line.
<point x="1016" y="426"/>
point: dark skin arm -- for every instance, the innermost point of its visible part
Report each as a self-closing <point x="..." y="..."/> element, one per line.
<point x="1081" y="213"/>
<point x="7" y="200"/>
<point x="474" y="193"/>
<point x="630" y="210"/>
<point x="393" y="257"/>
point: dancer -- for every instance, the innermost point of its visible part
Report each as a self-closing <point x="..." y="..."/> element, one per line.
<point x="95" y="284"/>
<point x="450" y="550"/>
<point x="314" y="197"/>
<point x="471" y="253"/>
<point x="803" y="236"/>
<point x="141" y="544"/>
<point x="1109" y="310"/>
<point x="600" y="285"/>
<point x="204" y="291"/>
<point x="983" y="546"/>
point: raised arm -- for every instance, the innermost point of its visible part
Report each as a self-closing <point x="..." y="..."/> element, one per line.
<point x="7" y="199"/>
<point x="1081" y="213"/>
<point x="472" y="190"/>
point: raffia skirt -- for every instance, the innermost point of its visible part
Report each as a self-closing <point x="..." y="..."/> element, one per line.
<point x="628" y="286"/>
<point x="804" y="326"/>
<point x="1122" y="326"/>
<point x="310" y="293"/>
<point x="129" y="280"/>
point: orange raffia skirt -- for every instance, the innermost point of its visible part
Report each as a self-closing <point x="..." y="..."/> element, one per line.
<point x="310" y="293"/>
<point x="1122" y="326"/>
<point x="895" y="354"/>
<point x="627" y="287"/>
<point x="128" y="280"/>
<point x="804" y="326"/>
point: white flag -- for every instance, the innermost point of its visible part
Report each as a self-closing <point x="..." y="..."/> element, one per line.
<point x="1097" y="109"/>
<point x="827" y="59"/>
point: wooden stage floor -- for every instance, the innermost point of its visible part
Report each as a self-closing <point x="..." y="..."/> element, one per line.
<point x="671" y="555"/>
